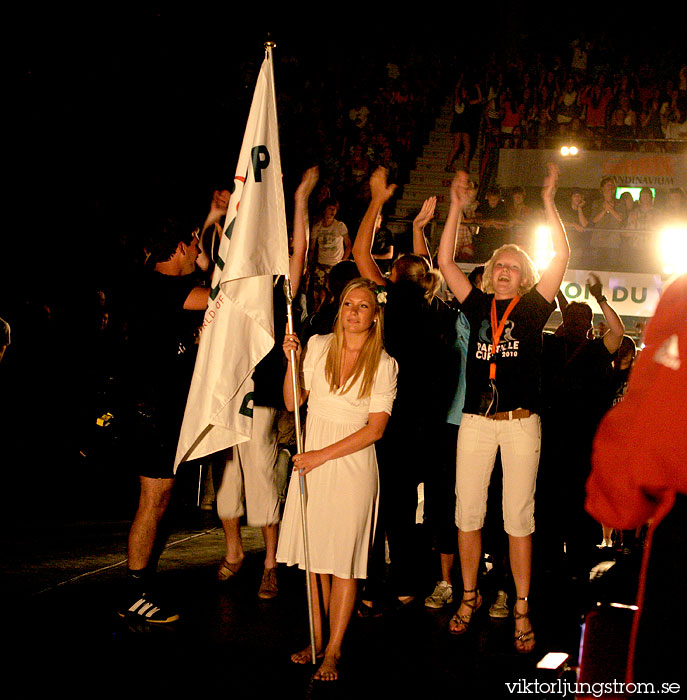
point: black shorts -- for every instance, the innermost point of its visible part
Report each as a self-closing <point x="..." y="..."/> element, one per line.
<point x="154" y="438"/>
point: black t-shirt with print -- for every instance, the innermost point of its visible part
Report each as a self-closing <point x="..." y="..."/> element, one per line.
<point x="518" y="356"/>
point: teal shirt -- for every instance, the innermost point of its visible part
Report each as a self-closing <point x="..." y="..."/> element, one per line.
<point x="460" y="347"/>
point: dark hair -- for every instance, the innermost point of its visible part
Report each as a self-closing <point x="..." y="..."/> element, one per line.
<point x="606" y="179"/>
<point x="475" y="273"/>
<point x="166" y="237"/>
<point x="581" y="306"/>
<point x="627" y="346"/>
<point x="340" y="275"/>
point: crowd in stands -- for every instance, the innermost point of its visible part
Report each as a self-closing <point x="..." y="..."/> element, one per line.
<point x="378" y="111"/>
<point x="590" y="89"/>
<point x="598" y="108"/>
<point x="590" y="99"/>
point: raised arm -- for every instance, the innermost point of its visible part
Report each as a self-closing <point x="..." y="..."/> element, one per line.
<point x="616" y="328"/>
<point x="562" y="301"/>
<point x="551" y="278"/>
<point x="380" y="193"/>
<point x="218" y="209"/>
<point x="582" y="220"/>
<point x="300" y="227"/>
<point x="457" y="282"/>
<point x="425" y="215"/>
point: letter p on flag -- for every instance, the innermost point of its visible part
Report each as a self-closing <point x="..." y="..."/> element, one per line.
<point x="261" y="159"/>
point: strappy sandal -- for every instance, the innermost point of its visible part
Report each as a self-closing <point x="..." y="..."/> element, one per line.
<point x="523" y="639"/>
<point x="228" y="569"/>
<point x="474" y="603"/>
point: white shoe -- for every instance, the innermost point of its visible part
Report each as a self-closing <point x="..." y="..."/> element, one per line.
<point x="499" y="607"/>
<point x="605" y="543"/>
<point x="443" y="595"/>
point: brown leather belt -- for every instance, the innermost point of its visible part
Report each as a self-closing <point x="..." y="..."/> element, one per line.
<point x="511" y="415"/>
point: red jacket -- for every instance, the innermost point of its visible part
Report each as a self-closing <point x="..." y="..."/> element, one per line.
<point x="639" y="459"/>
<point x="640" y="449"/>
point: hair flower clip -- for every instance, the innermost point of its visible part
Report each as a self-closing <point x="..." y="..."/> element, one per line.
<point x="381" y="295"/>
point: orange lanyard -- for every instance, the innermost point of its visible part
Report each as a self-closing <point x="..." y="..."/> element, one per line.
<point x="497" y="329"/>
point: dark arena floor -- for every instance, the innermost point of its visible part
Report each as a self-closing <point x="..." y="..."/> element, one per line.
<point x="62" y="576"/>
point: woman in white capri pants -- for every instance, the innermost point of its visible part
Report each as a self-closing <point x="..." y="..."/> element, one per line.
<point x="502" y="398"/>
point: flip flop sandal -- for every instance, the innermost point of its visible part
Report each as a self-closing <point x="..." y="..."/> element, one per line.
<point x="228" y="569"/>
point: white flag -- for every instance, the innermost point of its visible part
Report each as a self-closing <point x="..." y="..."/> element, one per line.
<point x="238" y="328"/>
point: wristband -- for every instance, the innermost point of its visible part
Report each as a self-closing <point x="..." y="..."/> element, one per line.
<point x="601" y="299"/>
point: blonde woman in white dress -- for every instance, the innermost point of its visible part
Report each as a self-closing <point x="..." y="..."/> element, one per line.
<point x="349" y="382"/>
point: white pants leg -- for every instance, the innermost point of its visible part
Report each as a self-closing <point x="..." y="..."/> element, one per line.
<point x="475" y="456"/>
<point x="478" y="441"/>
<point x="520" y="443"/>
<point x="250" y="472"/>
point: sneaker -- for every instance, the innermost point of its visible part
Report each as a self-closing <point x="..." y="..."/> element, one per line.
<point x="145" y="610"/>
<point x="443" y="595"/>
<point x="268" y="585"/>
<point x="499" y="607"/>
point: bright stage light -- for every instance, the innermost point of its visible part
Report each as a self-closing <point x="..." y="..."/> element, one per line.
<point x="673" y="249"/>
<point x="543" y="247"/>
<point x="569" y="151"/>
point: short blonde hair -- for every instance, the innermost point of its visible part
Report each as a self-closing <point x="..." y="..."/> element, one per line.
<point x="368" y="360"/>
<point x="530" y="277"/>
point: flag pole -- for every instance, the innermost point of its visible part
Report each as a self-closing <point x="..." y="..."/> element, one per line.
<point x="269" y="45"/>
<point x="299" y="449"/>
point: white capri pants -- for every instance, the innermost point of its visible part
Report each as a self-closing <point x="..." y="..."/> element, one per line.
<point x="478" y="441"/>
<point x="250" y="472"/>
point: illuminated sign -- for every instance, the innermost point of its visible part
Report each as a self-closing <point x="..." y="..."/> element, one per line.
<point x="629" y="293"/>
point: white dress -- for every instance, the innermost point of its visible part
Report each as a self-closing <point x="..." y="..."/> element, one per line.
<point x="342" y="494"/>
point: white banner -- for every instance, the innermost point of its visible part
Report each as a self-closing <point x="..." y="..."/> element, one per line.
<point x="659" y="170"/>
<point x="238" y="328"/>
<point x="629" y="293"/>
